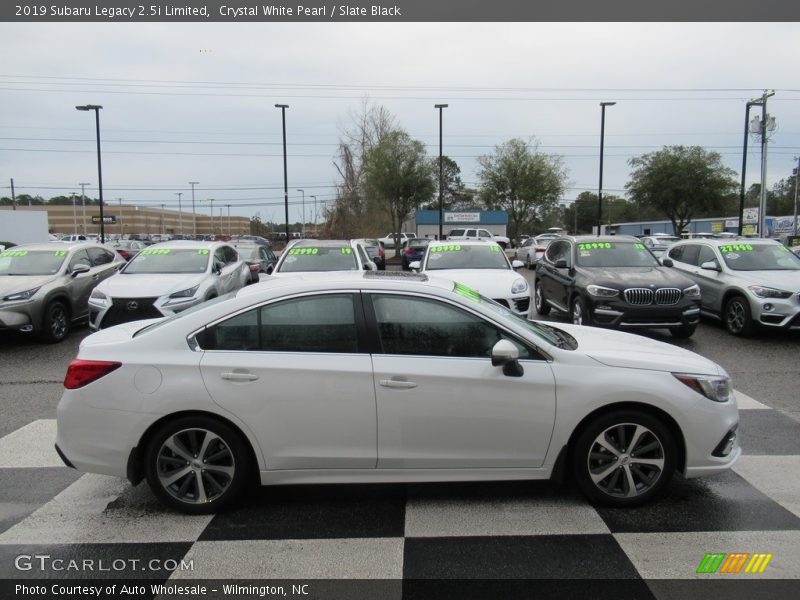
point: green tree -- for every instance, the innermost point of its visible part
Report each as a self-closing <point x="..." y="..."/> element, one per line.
<point x="453" y="190"/>
<point x="519" y="179"/>
<point x="398" y="176"/>
<point x="682" y="183"/>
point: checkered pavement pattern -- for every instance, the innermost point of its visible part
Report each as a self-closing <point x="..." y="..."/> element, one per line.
<point x="499" y="531"/>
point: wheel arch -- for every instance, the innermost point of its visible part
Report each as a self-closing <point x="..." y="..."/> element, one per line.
<point x="136" y="468"/>
<point x="653" y="411"/>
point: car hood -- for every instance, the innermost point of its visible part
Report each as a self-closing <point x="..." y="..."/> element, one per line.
<point x="492" y="283"/>
<point x="628" y="277"/>
<point x="148" y="285"/>
<point x="627" y="350"/>
<point x="780" y="280"/>
<point x="13" y="284"/>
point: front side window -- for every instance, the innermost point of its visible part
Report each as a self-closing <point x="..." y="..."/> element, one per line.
<point x="100" y="256"/>
<point x="558" y="251"/>
<point x="409" y="325"/>
<point x="706" y="255"/>
<point x="323" y="323"/>
<point x="484" y="234"/>
<point x="79" y="258"/>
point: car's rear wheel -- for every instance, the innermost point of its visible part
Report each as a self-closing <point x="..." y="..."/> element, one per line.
<point x="542" y="307"/>
<point x="736" y="316"/>
<point x="624" y="458"/>
<point x="55" y="323"/>
<point x="578" y="312"/>
<point x="528" y="262"/>
<point x="683" y="332"/>
<point x="197" y="465"/>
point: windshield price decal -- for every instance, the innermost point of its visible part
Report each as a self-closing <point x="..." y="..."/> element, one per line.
<point x="639" y="246"/>
<point x="155" y="251"/>
<point x="495" y="248"/>
<point x="347" y="250"/>
<point x="202" y="251"/>
<point x="60" y="253"/>
<point x="467" y="292"/>
<point x="449" y="248"/>
<point x="736" y="248"/>
<point x="596" y="246"/>
<point x="305" y="251"/>
<point x="14" y="253"/>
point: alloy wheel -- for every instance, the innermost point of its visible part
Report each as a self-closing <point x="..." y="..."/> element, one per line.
<point x="735" y="316"/>
<point x="58" y="322"/>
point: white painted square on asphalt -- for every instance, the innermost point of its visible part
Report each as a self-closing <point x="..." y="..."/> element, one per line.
<point x="745" y="402"/>
<point x="776" y="476"/>
<point x="31" y="446"/>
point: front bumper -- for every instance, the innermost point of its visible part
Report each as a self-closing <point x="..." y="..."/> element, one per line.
<point x="113" y="311"/>
<point x="776" y="312"/>
<point x="616" y="312"/>
<point x="20" y="316"/>
<point x="520" y="304"/>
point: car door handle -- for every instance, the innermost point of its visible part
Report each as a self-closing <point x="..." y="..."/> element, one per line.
<point x="239" y="376"/>
<point x="398" y="384"/>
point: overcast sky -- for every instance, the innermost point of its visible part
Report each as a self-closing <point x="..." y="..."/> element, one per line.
<point x="195" y="102"/>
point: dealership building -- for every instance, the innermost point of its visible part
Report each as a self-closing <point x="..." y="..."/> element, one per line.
<point x="426" y="222"/>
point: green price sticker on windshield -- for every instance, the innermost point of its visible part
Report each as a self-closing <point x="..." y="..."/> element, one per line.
<point x="596" y="246"/>
<point x="14" y="253"/>
<point x="639" y="246"/>
<point x="202" y="251"/>
<point x="736" y="248"/>
<point x="303" y="251"/>
<point x="155" y="251"/>
<point x="495" y="248"/>
<point x="447" y="248"/>
<point x="60" y="253"/>
<point x="347" y="250"/>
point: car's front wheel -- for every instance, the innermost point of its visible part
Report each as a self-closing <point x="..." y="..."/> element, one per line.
<point x="197" y="465"/>
<point x="736" y="316"/>
<point x="55" y="323"/>
<point x="578" y="312"/>
<point x="542" y="307"/>
<point x="624" y="458"/>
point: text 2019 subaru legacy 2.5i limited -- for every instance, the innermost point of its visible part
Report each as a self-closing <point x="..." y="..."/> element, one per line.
<point x="386" y="377"/>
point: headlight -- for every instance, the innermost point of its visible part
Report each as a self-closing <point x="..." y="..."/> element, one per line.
<point x="519" y="286"/>
<point x="692" y="292"/>
<point x="20" y="296"/>
<point x="98" y="295"/>
<point x="185" y="293"/>
<point x="717" y="389"/>
<point x="603" y="292"/>
<point x="765" y="292"/>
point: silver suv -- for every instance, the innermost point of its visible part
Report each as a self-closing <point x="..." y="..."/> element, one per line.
<point x="743" y="282"/>
<point x="44" y="288"/>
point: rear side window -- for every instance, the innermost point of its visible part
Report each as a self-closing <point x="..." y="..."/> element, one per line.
<point x="323" y="323"/>
<point x="100" y="256"/>
<point x="456" y="232"/>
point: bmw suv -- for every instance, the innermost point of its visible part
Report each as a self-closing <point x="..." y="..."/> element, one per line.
<point x="615" y="281"/>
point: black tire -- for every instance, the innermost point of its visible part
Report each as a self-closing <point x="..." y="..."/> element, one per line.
<point x="736" y="316"/>
<point x="604" y="459"/>
<point x="55" y="323"/>
<point x="578" y="313"/>
<point x="528" y="264"/>
<point x="542" y="307"/>
<point x="683" y="332"/>
<point x="211" y="480"/>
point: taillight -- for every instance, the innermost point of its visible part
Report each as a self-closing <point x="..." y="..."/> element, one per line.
<point x="84" y="372"/>
<point x="408" y="251"/>
<point x="254" y="267"/>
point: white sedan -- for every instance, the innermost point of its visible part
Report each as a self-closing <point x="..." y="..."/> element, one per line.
<point x="386" y="377"/>
<point x="166" y="278"/>
<point x="483" y="266"/>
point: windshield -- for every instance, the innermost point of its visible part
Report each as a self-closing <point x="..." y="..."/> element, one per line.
<point x="31" y="262"/>
<point x="307" y="259"/>
<point x="614" y="254"/>
<point x="458" y="256"/>
<point x="549" y="334"/>
<point x="759" y="257"/>
<point x="168" y="260"/>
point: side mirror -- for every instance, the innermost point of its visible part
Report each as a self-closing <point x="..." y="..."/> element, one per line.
<point x="710" y="265"/>
<point x="506" y="355"/>
<point x="667" y="262"/>
<point x="414" y="266"/>
<point x="517" y="264"/>
<point x="561" y="263"/>
<point x="80" y="268"/>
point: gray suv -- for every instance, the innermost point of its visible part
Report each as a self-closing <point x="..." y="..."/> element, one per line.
<point x="745" y="282"/>
<point x="44" y="288"/>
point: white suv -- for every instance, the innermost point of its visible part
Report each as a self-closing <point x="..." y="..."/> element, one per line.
<point x="478" y="234"/>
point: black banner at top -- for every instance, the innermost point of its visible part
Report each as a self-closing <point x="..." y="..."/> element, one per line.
<point x="299" y="11"/>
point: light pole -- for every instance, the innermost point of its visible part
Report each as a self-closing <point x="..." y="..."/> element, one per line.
<point x="441" y="175"/>
<point x="283" y="108"/>
<point x="83" y="204"/>
<point x="211" y="201"/>
<point x="315" y="214"/>
<point x="229" y="219"/>
<point x="74" y="215"/>
<point x="180" y="214"/>
<point x="602" y="139"/>
<point x="163" y="229"/>
<point x="121" y="228"/>
<point x="303" y="222"/>
<point x="796" y="177"/>
<point x="96" y="108"/>
<point x="744" y="163"/>
<point x="194" y="218"/>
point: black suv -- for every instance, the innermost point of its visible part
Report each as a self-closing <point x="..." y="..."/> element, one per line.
<point x="614" y="281"/>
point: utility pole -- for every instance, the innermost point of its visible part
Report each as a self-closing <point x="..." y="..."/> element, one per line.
<point x="180" y="214"/>
<point x="121" y="227"/>
<point x="229" y="219"/>
<point x="194" y="218"/>
<point x="13" y="197"/>
<point x="74" y="215"/>
<point x="83" y="203"/>
<point x="163" y="230"/>
<point x="767" y="123"/>
<point x="796" y="177"/>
